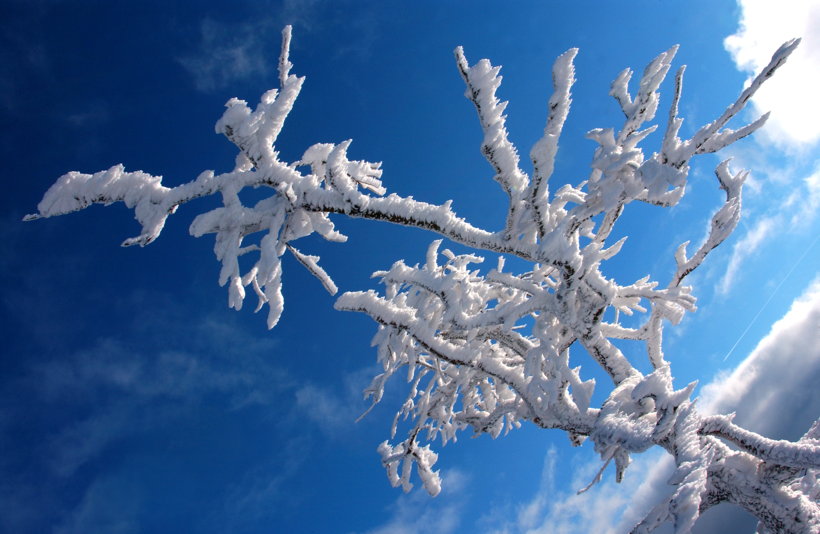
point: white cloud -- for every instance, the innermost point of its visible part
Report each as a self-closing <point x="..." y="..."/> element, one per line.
<point x="785" y="205"/>
<point x="791" y="95"/>
<point x="779" y="377"/>
<point x="773" y="391"/>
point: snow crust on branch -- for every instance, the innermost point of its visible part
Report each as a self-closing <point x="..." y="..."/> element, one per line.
<point x="489" y="351"/>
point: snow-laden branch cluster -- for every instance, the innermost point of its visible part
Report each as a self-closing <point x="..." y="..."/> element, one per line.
<point x="488" y="351"/>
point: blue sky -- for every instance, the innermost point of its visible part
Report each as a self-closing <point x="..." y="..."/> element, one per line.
<point x="133" y="400"/>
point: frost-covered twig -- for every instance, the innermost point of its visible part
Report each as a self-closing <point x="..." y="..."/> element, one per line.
<point x="804" y="453"/>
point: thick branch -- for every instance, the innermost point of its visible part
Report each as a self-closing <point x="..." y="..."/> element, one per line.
<point x="780" y="452"/>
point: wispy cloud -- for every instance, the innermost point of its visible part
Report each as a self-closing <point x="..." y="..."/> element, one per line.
<point x="23" y="56"/>
<point x="804" y="205"/>
<point x="333" y="410"/>
<point x="230" y="52"/>
<point x="415" y="512"/>
<point x="109" y="505"/>
<point x="617" y="507"/>
<point x="792" y="95"/>
<point x="252" y="500"/>
<point x="748" y="245"/>
<point x="300" y="12"/>
<point x="788" y="209"/>
<point x="84" y="411"/>
<point x="92" y="116"/>
<point x="123" y="392"/>
<point x="113" y="395"/>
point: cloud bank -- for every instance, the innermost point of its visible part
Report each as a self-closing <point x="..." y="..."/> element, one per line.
<point x="779" y="377"/>
<point x="791" y="96"/>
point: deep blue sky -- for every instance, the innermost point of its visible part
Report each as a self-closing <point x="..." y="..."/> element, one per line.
<point x="133" y="400"/>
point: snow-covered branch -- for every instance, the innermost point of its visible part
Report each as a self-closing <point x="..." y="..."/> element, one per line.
<point x="804" y="453"/>
<point x="491" y="350"/>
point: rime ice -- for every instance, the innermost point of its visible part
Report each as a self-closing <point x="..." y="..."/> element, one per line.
<point x="489" y="350"/>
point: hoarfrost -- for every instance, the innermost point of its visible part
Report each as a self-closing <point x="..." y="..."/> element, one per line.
<point x="489" y="352"/>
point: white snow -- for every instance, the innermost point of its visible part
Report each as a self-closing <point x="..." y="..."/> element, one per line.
<point x="488" y="352"/>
